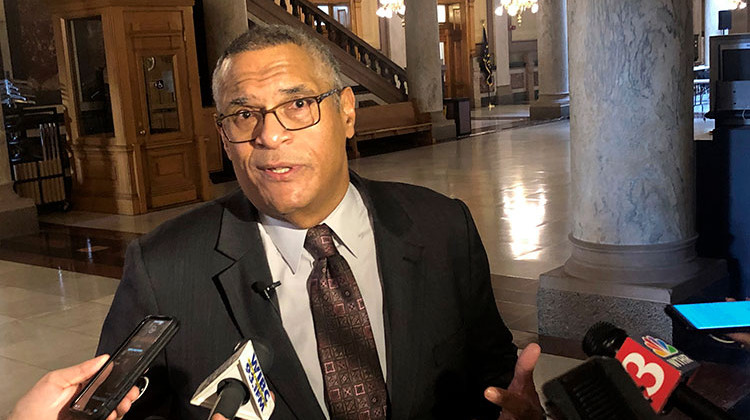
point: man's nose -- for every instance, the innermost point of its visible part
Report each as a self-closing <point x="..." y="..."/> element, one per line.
<point x="272" y="133"/>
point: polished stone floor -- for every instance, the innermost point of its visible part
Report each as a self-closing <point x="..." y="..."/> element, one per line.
<point x="56" y="292"/>
<point x="49" y="319"/>
<point x="516" y="183"/>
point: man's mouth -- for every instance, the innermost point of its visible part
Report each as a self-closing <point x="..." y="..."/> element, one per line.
<point x="280" y="170"/>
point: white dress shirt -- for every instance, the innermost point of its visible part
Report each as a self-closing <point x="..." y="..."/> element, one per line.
<point x="291" y="264"/>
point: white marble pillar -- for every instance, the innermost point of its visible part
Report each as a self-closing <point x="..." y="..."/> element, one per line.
<point x="225" y="20"/>
<point x="632" y="126"/>
<point x="502" y="55"/>
<point x="423" y="55"/>
<point x="632" y="170"/>
<point x="552" y="53"/>
<point x="423" y="67"/>
<point x="17" y="215"/>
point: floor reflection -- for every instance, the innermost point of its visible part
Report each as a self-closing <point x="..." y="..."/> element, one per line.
<point x="524" y="216"/>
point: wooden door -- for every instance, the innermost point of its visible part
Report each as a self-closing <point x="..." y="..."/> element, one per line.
<point x="165" y="155"/>
<point x="451" y="37"/>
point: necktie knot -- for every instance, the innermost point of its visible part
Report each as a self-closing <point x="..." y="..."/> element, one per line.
<point x="319" y="242"/>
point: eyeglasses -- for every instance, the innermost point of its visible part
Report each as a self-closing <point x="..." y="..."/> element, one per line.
<point x="297" y="114"/>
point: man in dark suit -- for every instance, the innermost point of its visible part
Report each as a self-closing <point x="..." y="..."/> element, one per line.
<point x="425" y="330"/>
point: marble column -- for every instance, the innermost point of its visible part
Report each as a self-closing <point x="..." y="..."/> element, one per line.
<point x="632" y="171"/>
<point x="423" y="67"/>
<point x="17" y="215"/>
<point x="552" y="53"/>
<point x="502" y="55"/>
<point x="225" y="20"/>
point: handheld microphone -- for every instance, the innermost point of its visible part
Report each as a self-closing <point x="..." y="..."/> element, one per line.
<point x="599" y="389"/>
<point x="238" y="387"/>
<point x="655" y="366"/>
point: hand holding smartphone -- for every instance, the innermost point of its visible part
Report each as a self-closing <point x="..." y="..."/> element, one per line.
<point x="113" y="381"/>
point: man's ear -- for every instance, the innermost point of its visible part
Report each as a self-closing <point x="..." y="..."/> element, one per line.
<point x="348" y="113"/>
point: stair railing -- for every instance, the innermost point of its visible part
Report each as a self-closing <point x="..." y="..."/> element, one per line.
<point x="309" y="14"/>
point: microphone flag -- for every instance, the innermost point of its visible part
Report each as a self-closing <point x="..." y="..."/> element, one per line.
<point x="656" y="367"/>
<point x="244" y="366"/>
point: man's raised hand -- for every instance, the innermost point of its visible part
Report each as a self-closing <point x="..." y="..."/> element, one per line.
<point x="520" y="401"/>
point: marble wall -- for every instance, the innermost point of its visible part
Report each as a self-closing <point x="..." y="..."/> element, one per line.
<point x="224" y="21"/>
<point x="527" y="30"/>
<point x="32" y="48"/>
<point x="740" y="21"/>
<point x="397" y="40"/>
<point x="502" y="46"/>
<point x="631" y="124"/>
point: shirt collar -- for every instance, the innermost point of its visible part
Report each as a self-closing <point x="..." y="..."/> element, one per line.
<point x="349" y="222"/>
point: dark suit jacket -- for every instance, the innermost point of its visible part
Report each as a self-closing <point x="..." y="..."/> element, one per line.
<point x="445" y="340"/>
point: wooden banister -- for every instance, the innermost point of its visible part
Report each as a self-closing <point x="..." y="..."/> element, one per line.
<point x="359" y="60"/>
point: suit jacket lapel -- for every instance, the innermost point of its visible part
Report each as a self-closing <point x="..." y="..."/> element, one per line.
<point x="257" y="318"/>
<point x="399" y="258"/>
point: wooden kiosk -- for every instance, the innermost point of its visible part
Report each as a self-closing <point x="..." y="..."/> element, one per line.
<point x="129" y="81"/>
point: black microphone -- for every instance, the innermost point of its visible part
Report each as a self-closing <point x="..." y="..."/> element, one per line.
<point x="605" y="339"/>
<point x="599" y="389"/>
<point x="267" y="291"/>
<point x="232" y="394"/>
<point x="239" y="387"/>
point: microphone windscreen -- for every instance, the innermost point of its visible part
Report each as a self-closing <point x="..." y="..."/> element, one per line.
<point x="603" y="339"/>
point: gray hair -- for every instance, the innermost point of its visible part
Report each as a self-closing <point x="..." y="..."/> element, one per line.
<point x="263" y="36"/>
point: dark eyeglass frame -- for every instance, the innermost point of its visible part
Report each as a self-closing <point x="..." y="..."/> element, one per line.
<point x="263" y="112"/>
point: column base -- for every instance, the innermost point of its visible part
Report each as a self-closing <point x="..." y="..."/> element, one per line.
<point x="503" y="95"/>
<point x="443" y="129"/>
<point x="568" y="305"/>
<point x="17" y="215"/>
<point x="550" y="106"/>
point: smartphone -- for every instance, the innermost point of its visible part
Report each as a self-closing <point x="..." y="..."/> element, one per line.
<point x="714" y="317"/>
<point x="113" y="381"/>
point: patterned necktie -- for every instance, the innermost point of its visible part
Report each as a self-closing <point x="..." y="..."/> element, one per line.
<point x="353" y="379"/>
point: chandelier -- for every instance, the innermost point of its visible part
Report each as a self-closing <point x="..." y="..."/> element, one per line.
<point x="516" y="8"/>
<point x="390" y="7"/>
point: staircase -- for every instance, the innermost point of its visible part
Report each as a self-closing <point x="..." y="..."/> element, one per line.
<point x="359" y="61"/>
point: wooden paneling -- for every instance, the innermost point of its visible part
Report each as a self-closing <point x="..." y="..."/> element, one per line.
<point x="170" y="176"/>
<point x="139" y="167"/>
<point x="143" y="43"/>
<point x="67" y="6"/>
<point x="153" y="22"/>
<point x="205" y="130"/>
<point x="104" y="180"/>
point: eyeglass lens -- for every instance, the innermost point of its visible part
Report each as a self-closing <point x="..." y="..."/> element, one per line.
<point x="292" y="115"/>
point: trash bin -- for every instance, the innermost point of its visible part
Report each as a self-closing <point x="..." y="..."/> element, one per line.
<point x="459" y="110"/>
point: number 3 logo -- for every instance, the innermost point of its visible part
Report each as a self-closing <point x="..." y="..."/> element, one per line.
<point x="644" y="368"/>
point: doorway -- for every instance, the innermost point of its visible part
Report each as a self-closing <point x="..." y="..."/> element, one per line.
<point x="455" y="37"/>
